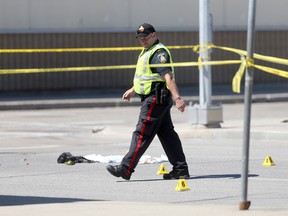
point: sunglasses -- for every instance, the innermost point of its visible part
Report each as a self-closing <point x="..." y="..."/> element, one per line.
<point x="145" y="38"/>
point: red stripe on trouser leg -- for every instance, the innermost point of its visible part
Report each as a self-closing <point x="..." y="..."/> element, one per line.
<point x="140" y="140"/>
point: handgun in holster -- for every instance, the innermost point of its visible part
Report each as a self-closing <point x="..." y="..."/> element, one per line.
<point x="164" y="96"/>
<point x="158" y="93"/>
<point x="161" y="93"/>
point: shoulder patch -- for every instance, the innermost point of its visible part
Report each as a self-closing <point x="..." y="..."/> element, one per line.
<point x="162" y="57"/>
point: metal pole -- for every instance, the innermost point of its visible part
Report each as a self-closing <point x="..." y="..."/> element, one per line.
<point x="205" y="113"/>
<point x="244" y="204"/>
<point x="205" y="36"/>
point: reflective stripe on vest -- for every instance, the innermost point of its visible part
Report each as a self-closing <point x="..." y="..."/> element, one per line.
<point x="144" y="77"/>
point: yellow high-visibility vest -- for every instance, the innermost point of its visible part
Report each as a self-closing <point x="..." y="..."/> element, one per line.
<point x="144" y="77"/>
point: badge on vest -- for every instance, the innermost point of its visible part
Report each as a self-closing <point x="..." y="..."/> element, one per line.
<point x="162" y="57"/>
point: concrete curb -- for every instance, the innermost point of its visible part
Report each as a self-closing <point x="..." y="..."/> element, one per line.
<point x="61" y="103"/>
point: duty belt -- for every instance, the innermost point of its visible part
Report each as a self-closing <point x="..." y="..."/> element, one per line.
<point x="143" y="97"/>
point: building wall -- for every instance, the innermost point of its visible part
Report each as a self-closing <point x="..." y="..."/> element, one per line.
<point x="126" y="15"/>
<point x="186" y="76"/>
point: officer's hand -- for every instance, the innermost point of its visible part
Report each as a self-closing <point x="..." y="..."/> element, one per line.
<point x="128" y="94"/>
<point x="180" y="104"/>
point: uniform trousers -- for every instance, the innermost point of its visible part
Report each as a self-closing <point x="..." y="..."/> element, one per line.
<point x="154" y="119"/>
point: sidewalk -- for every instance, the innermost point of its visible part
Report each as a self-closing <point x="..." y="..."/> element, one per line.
<point x="112" y="98"/>
<point x="106" y="208"/>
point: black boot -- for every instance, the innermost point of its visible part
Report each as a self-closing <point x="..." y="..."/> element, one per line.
<point x="118" y="171"/>
<point x="177" y="174"/>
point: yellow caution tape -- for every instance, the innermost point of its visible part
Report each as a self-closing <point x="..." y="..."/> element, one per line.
<point x="249" y="62"/>
<point x="114" y="67"/>
<point x="97" y="49"/>
<point x="238" y="76"/>
<point x="244" y="62"/>
<point x="272" y="71"/>
<point x="188" y="64"/>
<point x="68" y="69"/>
<point x="271" y="59"/>
<point x="61" y="50"/>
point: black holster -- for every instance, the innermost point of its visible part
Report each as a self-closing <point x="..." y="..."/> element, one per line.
<point x="162" y="94"/>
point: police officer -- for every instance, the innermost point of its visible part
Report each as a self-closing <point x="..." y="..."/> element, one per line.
<point x="157" y="89"/>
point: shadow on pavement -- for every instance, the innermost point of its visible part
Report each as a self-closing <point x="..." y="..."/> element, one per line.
<point x="230" y="176"/>
<point x="7" y="200"/>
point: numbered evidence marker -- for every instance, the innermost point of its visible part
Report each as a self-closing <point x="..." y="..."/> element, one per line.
<point x="162" y="170"/>
<point x="182" y="185"/>
<point x="268" y="161"/>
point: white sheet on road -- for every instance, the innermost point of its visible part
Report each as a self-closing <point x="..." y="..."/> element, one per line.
<point x="145" y="159"/>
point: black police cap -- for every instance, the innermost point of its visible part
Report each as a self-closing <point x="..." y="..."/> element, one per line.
<point x="144" y="30"/>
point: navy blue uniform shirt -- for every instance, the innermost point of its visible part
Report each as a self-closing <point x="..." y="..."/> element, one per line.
<point x="161" y="56"/>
